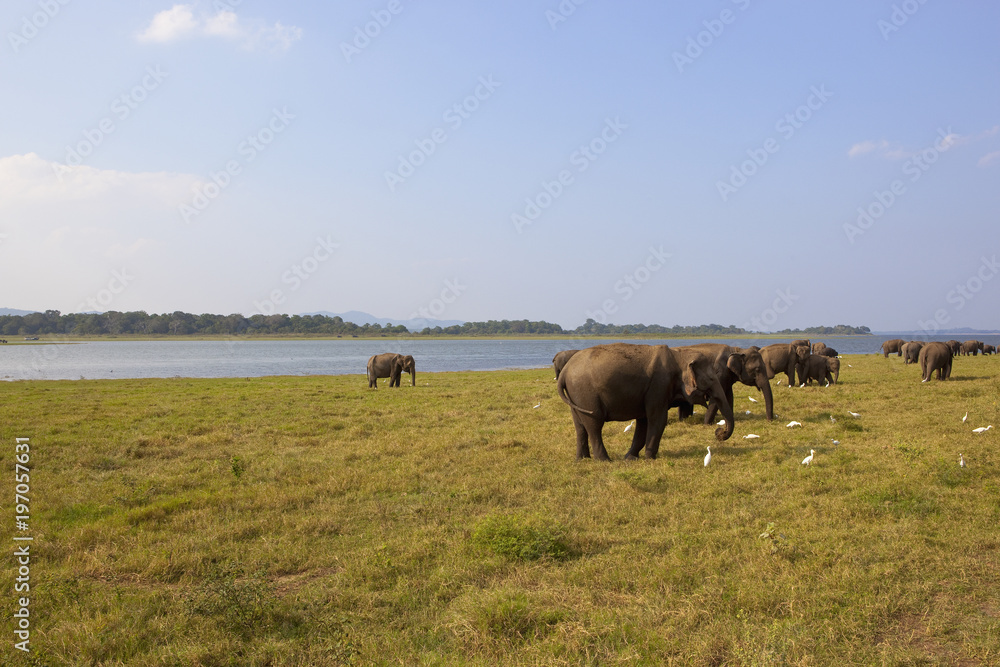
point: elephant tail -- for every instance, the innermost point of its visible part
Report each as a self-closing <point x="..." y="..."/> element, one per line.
<point x="564" y="395"/>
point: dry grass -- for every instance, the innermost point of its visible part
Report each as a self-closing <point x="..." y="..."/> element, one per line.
<point x="293" y="521"/>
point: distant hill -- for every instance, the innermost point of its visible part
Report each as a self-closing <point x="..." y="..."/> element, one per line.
<point x="960" y="331"/>
<point x="15" y="311"/>
<point x="417" y="324"/>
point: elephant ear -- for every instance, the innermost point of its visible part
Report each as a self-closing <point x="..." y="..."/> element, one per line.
<point x="690" y="379"/>
<point x="735" y="364"/>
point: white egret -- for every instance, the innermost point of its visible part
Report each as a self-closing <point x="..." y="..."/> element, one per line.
<point x="630" y="426"/>
<point x="752" y="399"/>
<point x="854" y="414"/>
<point x="792" y="424"/>
<point x="721" y="422"/>
<point x="748" y="412"/>
<point x="538" y="406"/>
<point x="777" y="383"/>
<point x="807" y="461"/>
<point x="961" y="461"/>
<point x="750" y="436"/>
<point x="982" y="429"/>
<point x="708" y="457"/>
<point x="832" y="419"/>
<point x="965" y="417"/>
<point x="836" y="442"/>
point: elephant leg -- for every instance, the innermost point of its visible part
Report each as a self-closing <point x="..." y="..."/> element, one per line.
<point x="638" y="439"/>
<point x="713" y="410"/>
<point x="654" y="433"/>
<point x="582" y="445"/>
<point x="594" y="428"/>
<point x="685" y="410"/>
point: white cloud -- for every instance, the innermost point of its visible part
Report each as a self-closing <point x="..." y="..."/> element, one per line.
<point x="888" y="151"/>
<point x="989" y="159"/>
<point x="867" y="147"/>
<point x="169" y="25"/>
<point x="180" y="22"/>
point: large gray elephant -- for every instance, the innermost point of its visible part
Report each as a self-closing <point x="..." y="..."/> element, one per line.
<point x="560" y="360"/>
<point x="622" y="381"/>
<point x="894" y="346"/>
<point x="391" y="365"/>
<point x="732" y="365"/>
<point x="822" y="369"/>
<point x="819" y="348"/>
<point x="802" y="341"/>
<point x="935" y="356"/>
<point x="972" y="347"/>
<point x="955" y="346"/>
<point x="787" y="358"/>
<point x="911" y="351"/>
<point x="989" y="349"/>
<point x="829" y="352"/>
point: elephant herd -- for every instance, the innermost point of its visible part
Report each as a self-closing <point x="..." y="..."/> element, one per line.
<point x="392" y="366"/>
<point x="624" y="381"/>
<point x="935" y="356"/>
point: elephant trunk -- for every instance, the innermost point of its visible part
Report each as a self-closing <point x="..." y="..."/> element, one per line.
<point x="765" y="388"/>
<point x="719" y="396"/>
<point x="413" y="376"/>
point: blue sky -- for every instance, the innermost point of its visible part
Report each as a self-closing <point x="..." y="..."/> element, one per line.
<point x="769" y="165"/>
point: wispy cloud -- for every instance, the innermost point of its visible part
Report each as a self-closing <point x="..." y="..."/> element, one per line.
<point x="989" y="159"/>
<point x="889" y="151"/>
<point x="180" y="22"/>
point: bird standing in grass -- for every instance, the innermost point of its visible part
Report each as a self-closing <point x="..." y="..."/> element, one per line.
<point x="982" y="429"/>
<point x="793" y="424"/>
<point x="752" y="399"/>
<point x="961" y="461"/>
<point x="854" y="414"/>
<point x="630" y="426"/>
<point x="807" y="461"/>
<point x="708" y="457"/>
<point x="965" y="417"/>
<point x="538" y="406"/>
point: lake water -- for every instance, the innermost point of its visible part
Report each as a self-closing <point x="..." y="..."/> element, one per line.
<point x="216" y="359"/>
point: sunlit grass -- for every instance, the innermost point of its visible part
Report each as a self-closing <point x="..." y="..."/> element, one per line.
<point x="310" y="520"/>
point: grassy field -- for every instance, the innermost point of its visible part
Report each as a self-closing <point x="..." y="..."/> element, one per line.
<point x="312" y="521"/>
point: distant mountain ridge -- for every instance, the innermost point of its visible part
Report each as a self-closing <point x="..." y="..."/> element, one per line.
<point x="414" y="324"/>
<point x="15" y="311"/>
<point x="944" y="332"/>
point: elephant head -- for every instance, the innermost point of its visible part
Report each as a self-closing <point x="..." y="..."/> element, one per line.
<point x="403" y="363"/>
<point x="752" y="371"/>
<point x="700" y="384"/>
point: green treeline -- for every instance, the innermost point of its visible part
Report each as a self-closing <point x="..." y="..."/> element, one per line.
<point x="139" y="323"/>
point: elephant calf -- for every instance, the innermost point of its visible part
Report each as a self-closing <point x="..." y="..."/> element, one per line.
<point x="894" y="346"/>
<point x="911" y="351"/>
<point x="787" y="358"/>
<point x="822" y="369"/>
<point x="989" y="349"/>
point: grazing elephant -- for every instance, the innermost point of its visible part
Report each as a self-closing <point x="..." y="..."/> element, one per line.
<point x="822" y="369"/>
<point x="894" y="346"/>
<point x="972" y="347"/>
<point x="560" y="360"/>
<point x="817" y="348"/>
<point x="955" y="346"/>
<point x="391" y="365"/>
<point x="830" y="352"/>
<point x="935" y="357"/>
<point x="787" y="358"/>
<point x="911" y="351"/>
<point x="989" y="349"/>
<point x="732" y="365"/>
<point x="621" y="381"/>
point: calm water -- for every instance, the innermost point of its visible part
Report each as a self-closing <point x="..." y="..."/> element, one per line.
<point x="157" y="359"/>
